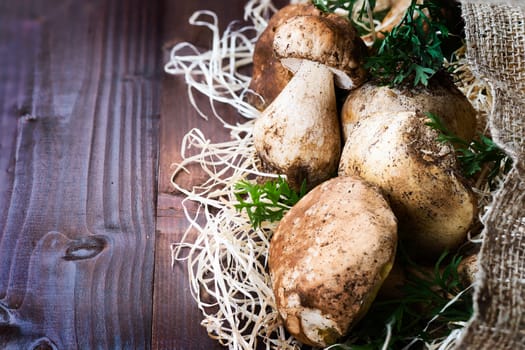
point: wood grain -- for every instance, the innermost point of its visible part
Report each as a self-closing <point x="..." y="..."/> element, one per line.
<point x="79" y="117"/>
<point x="176" y="323"/>
<point x="79" y="104"/>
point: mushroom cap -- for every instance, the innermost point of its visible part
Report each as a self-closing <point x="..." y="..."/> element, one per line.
<point x="328" y="39"/>
<point x="441" y="98"/>
<point x="269" y="76"/>
<point x="329" y="256"/>
<point x="400" y="154"/>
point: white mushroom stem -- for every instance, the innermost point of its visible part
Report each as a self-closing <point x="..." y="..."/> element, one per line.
<point x="298" y="135"/>
<point x="341" y="78"/>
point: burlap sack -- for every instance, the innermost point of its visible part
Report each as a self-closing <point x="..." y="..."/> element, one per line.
<point x="495" y="34"/>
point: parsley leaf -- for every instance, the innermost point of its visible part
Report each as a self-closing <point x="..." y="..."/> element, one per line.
<point x="423" y="313"/>
<point x="350" y="6"/>
<point x="412" y="50"/>
<point x="474" y="156"/>
<point x="268" y="201"/>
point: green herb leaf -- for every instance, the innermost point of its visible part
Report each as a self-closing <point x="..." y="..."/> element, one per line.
<point x="422" y="74"/>
<point x="476" y="155"/>
<point x="266" y="202"/>
<point x="350" y="6"/>
<point x="412" y="50"/>
<point x="423" y="313"/>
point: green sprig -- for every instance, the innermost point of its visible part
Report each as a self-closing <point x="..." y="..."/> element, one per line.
<point x="412" y="50"/>
<point x="350" y="6"/>
<point x="268" y="201"/>
<point x="475" y="155"/>
<point x="424" y="312"/>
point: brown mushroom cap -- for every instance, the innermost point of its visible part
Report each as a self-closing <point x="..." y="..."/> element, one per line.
<point x="328" y="39"/>
<point x="269" y="76"/>
<point x="329" y="256"/>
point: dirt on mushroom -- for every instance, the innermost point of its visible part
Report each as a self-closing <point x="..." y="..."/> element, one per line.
<point x="227" y="234"/>
<point x="298" y="135"/>
<point x="440" y="98"/>
<point x="269" y="76"/>
<point x="329" y="256"/>
<point x="400" y="154"/>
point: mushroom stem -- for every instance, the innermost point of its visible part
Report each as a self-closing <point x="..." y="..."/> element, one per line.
<point x="298" y="135"/>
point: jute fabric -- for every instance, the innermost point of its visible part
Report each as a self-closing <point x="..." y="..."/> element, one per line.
<point x="495" y="35"/>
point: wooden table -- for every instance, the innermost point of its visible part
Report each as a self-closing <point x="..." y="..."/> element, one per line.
<point x="89" y="126"/>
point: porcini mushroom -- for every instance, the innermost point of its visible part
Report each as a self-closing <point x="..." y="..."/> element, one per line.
<point x="468" y="269"/>
<point x="327" y="39"/>
<point x="269" y="76"/>
<point x="400" y="154"/>
<point x="441" y="98"/>
<point x="329" y="256"/>
<point x="298" y="135"/>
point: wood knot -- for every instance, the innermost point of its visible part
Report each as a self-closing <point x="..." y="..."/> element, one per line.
<point x="5" y="315"/>
<point x="43" y="344"/>
<point x="85" y="248"/>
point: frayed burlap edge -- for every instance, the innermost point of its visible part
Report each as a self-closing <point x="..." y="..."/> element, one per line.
<point x="495" y="36"/>
<point x="515" y="3"/>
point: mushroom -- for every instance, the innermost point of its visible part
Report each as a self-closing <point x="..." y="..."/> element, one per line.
<point x="329" y="256"/>
<point x="269" y="76"/>
<point x="328" y="39"/>
<point x="468" y="269"/>
<point x="298" y="135"/>
<point x="441" y="98"/>
<point x="392" y="286"/>
<point x="400" y="154"/>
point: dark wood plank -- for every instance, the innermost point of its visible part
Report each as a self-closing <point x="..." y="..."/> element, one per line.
<point x="176" y="318"/>
<point x="79" y="118"/>
<point x="177" y="115"/>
